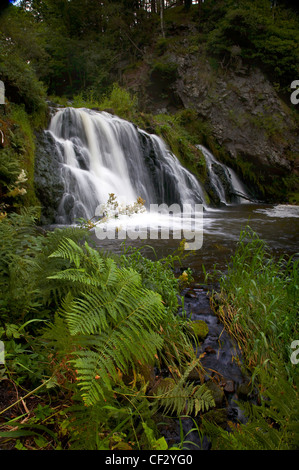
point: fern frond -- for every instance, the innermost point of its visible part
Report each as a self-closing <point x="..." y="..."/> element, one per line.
<point x="98" y="369"/>
<point x="115" y="318"/>
<point x="184" y="397"/>
<point x="70" y="250"/>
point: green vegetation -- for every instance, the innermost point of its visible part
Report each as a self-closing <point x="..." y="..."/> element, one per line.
<point x="95" y="351"/>
<point x="261" y="297"/>
<point x="86" y="333"/>
<point x="18" y="156"/>
<point x="95" y="340"/>
<point x="258" y="305"/>
<point x="200" y="329"/>
<point x="262" y="35"/>
<point x="181" y="131"/>
<point x="75" y="50"/>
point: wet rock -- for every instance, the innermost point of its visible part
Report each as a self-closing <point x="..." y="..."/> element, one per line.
<point x="68" y="203"/>
<point x="229" y="386"/>
<point x="49" y="185"/>
<point x="209" y="350"/>
<point x="243" y="391"/>
<point x="191" y="294"/>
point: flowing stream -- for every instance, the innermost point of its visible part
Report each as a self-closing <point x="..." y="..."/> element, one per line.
<point x="96" y="154"/>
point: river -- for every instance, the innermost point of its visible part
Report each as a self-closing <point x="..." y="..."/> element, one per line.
<point x="277" y="225"/>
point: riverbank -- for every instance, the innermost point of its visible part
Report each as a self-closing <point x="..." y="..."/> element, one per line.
<point x="243" y="347"/>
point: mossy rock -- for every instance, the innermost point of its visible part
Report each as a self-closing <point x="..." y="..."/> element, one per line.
<point x="200" y="329"/>
<point x="217" y="417"/>
<point x="217" y="392"/>
<point x="243" y="391"/>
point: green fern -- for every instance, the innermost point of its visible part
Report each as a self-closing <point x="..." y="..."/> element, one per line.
<point x="115" y="317"/>
<point x="115" y="326"/>
<point x="184" y="396"/>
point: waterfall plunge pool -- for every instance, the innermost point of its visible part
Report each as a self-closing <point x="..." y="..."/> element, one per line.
<point x="98" y="154"/>
<point x="277" y="225"/>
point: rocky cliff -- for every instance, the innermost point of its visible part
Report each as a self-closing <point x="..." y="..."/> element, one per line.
<point x="251" y="127"/>
<point x="247" y="118"/>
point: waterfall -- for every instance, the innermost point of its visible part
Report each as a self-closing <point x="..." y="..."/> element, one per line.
<point x="99" y="154"/>
<point x="223" y="180"/>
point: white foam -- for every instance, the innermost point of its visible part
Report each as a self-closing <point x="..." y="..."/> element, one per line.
<point x="281" y="211"/>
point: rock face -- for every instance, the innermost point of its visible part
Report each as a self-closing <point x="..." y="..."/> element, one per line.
<point x="252" y="129"/>
<point x="48" y="183"/>
<point x="247" y="117"/>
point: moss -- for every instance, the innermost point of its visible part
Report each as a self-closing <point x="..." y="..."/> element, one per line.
<point x="165" y="71"/>
<point x="119" y="101"/>
<point x="22" y="144"/>
<point x="200" y="329"/>
<point x="173" y="129"/>
<point x="293" y="198"/>
<point x="217" y="392"/>
<point x="218" y="417"/>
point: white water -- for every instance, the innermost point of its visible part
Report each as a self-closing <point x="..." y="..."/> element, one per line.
<point x="103" y="154"/>
<point x="281" y="211"/>
<point x="238" y="190"/>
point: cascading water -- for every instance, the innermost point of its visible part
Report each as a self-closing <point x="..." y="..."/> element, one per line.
<point x="224" y="181"/>
<point x="99" y="154"/>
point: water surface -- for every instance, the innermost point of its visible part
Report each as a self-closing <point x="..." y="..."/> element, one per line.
<point x="277" y="225"/>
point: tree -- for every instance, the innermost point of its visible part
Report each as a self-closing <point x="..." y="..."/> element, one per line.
<point x="4" y="5"/>
<point x="188" y="4"/>
<point x="162" y="6"/>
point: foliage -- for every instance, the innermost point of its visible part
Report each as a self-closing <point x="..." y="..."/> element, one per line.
<point x="113" y="320"/>
<point x="165" y="71"/>
<point x="22" y="84"/>
<point x="18" y="156"/>
<point x="110" y="329"/>
<point x="112" y="303"/>
<point x="23" y="142"/>
<point x="258" y="306"/>
<point x="114" y="328"/>
<point x="272" y="425"/>
<point x="266" y="36"/>
<point x="156" y="275"/>
<point x="27" y="296"/>
<point x="113" y="313"/>
<point x="175" y="131"/>
<point x="18" y="246"/>
<point x="118" y="101"/>
<point x="260" y="297"/>
<point x="121" y="101"/>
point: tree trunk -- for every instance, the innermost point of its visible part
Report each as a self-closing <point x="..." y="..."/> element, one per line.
<point x="162" y="17"/>
<point x="199" y="7"/>
<point x="188" y="4"/>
